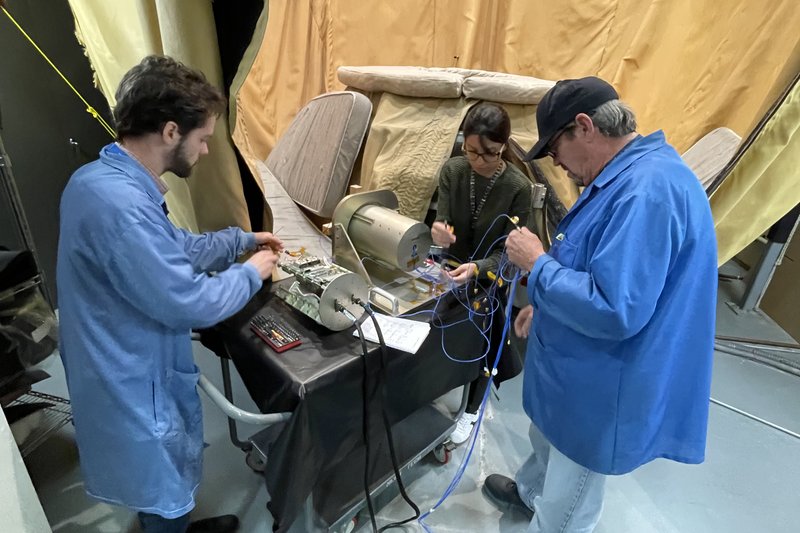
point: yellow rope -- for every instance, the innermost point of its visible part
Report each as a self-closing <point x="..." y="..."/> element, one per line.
<point x="89" y="109"/>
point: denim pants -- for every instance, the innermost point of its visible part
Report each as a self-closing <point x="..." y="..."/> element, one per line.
<point x="565" y="496"/>
<point x="153" y="523"/>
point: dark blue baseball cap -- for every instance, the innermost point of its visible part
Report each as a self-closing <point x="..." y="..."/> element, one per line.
<point x="562" y="103"/>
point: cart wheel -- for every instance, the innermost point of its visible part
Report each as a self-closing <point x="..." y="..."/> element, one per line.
<point x="442" y="454"/>
<point x="255" y="461"/>
<point x="351" y="525"/>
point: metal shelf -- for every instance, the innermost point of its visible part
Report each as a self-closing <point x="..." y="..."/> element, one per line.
<point x="55" y="418"/>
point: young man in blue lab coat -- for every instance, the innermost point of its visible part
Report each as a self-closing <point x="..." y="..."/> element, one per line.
<point x="621" y="327"/>
<point x="131" y="286"/>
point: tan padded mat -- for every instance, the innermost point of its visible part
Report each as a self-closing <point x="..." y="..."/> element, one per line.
<point x="409" y="141"/>
<point x="418" y="112"/>
<point x="451" y="82"/>
<point x="314" y="158"/>
<point x="708" y="156"/>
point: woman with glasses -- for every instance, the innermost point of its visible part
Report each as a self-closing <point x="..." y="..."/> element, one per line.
<point x="478" y="192"/>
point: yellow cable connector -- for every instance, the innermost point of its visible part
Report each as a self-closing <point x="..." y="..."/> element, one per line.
<point x="297" y="253"/>
<point x="491" y="275"/>
<point x="494" y="277"/>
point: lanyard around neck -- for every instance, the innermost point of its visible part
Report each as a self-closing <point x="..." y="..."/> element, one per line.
<point x="475" y="209"/>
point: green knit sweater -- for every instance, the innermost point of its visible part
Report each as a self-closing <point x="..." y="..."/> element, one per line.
<point x="511" y="195"/>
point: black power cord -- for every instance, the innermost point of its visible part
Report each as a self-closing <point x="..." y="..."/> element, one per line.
<point x="365" y="410"/>
<point x="387" y="426"/>
<point x="386" y="423"/>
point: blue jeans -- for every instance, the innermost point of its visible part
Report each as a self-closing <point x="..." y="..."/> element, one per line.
<point x="565" y="496"/>
<point x="153" y="523"/>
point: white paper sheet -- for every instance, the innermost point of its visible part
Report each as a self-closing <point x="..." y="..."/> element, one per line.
<point x="399" y="333"/>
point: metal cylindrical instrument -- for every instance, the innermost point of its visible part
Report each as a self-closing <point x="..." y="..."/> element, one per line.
<point x="386" y="235"/>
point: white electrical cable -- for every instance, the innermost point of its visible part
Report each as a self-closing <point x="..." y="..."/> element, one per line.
<point x="234" y="412"/>
<point x="754" y="417"/>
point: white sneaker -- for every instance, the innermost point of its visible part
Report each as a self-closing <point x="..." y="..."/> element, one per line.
<point x="464" y="428"/>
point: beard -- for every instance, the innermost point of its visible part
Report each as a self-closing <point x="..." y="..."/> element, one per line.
<point x="179" y="163"/>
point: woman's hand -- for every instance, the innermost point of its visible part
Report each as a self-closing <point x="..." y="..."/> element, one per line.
<point x="461" y="274"/>
<point x="442" y="234"/>
<point x="522" y="325"/>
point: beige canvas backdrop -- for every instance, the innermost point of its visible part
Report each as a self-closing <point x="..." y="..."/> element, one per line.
<point x="686" y="66"/>
<point x="116" y="36"/>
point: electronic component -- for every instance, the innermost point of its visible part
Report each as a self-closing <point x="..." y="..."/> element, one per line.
<point x="278" y="336"/>
<point x="376" y="230"/>
<point x="319" y="286"/>
<point x="382" y="246"/>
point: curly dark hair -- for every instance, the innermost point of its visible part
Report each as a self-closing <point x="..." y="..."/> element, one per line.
<point x="489" y="121"/>
<point x="161" y="89"/>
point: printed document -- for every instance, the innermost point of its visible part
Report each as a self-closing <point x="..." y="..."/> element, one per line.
<point x="399" y="333"/>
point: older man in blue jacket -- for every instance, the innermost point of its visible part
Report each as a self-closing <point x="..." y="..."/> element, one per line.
<point x="131" y="286"/>
<point x="621" y="326"/>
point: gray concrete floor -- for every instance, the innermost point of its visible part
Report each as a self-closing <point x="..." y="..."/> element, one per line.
<point x="747" y="484"/>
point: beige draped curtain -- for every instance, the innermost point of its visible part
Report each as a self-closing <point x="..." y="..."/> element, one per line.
<point x="686" y="66"/>
<point x="116" y="36"/>
<point x="763" y="185"/>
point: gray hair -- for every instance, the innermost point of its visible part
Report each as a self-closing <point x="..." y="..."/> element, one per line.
<point x="614" y="119"/>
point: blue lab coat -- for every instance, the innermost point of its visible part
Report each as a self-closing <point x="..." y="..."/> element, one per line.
<point x="618" y="369"/>
<point x="131" y="286"/>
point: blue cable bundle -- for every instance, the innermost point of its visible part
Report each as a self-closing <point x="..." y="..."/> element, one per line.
<point x="462" y="296"/>
<point x="465" y="462"/>
<point x="508" y="273"/>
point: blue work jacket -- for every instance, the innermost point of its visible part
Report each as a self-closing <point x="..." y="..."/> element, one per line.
<point x="618" y="369"/>
<point x="131" y="286"/>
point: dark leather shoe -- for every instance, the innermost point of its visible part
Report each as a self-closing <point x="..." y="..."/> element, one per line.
<point x="502" y="492"/>
<point x="218" y="524"/>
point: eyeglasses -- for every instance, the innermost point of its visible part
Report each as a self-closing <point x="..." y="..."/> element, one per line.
<point x="552" y="149"/>
<point x="489" y="157"/>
